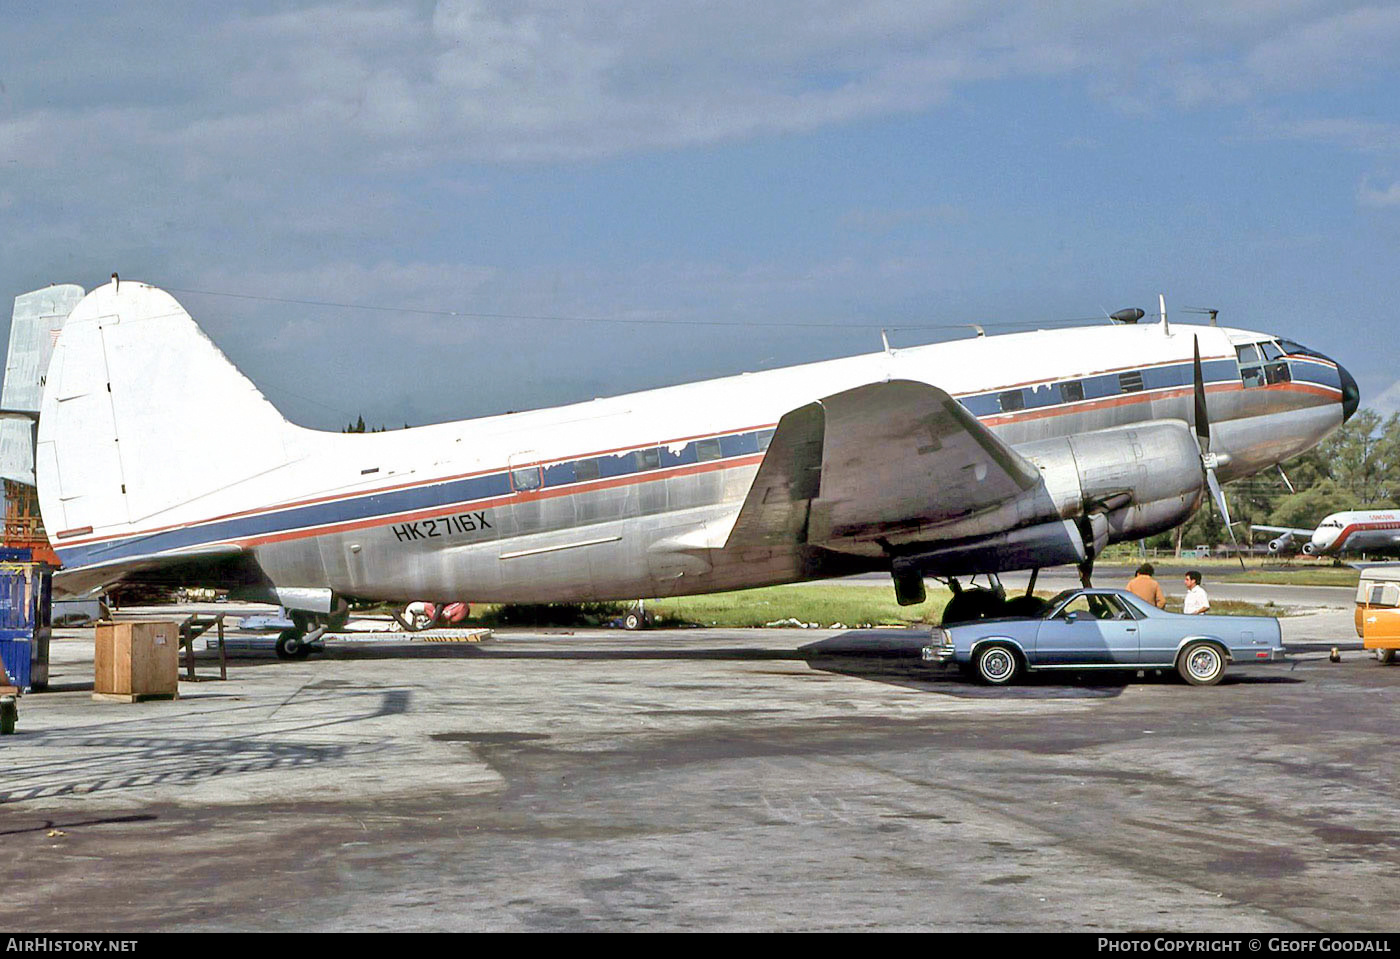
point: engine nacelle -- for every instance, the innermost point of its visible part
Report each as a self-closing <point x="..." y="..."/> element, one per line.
<point x="1099" y="488"/>
<point x="1281" y="543"/>
<point x="1143" y="479"/>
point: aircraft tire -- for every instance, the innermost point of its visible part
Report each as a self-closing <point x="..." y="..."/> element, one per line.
<point x="291" y="646"/>
<point x="633" y="620"/>
<point x="1201" y="663"/>
<point x="997" y="664"/>
<point x="972" y="604"/>
<point x="1027" y="606"/>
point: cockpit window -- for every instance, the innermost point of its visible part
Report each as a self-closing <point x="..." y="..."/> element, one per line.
<point x="1251" y="368"/>
<point x="1262" y="364"/>
<point x="1296" y="349"/>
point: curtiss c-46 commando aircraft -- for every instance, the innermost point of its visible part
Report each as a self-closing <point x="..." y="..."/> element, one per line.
<point x="977" y="456"/>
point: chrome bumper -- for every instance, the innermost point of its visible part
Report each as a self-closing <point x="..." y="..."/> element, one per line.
<point x="939" y="654"/>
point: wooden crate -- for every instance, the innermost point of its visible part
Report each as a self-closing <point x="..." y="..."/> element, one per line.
<point x="137" y="660"/>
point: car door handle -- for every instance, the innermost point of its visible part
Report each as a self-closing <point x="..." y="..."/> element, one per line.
<point x="1132" y="629"/>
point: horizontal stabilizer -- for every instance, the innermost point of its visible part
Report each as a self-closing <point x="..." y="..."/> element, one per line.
<point x="181" y="567"/>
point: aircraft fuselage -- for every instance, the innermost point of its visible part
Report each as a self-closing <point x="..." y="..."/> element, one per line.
<point x="636" y="495"/>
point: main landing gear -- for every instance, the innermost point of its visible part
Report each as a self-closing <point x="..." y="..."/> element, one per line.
<point x="970" y="602"/>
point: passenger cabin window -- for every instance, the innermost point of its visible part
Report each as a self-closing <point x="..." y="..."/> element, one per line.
<point x="1130" y="382"/>
<point x="526" y="479"/>
<point x="764" y="438"/>
<point x="1072" y="392"/>
<point x="586" y="470"/>
<point x="706" y="450"/>
<point x="648" y="459"/>
<point x="1011" y="401"/>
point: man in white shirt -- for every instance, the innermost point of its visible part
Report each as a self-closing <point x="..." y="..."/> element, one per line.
<point x="1196" y="599"/>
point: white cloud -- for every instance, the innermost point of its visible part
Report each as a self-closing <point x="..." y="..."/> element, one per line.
<point x="548" y="80"/>
<point x="1359" y="134"/>
<point x="1378" y="197"/>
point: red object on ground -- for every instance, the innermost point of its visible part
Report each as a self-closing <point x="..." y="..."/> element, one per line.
<point x="451" y="613"/>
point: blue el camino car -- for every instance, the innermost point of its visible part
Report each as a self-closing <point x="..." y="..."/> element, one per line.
<point x="1106" y="629"/>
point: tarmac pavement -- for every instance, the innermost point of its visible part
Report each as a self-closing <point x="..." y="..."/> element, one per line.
<point x="704" y="779"/>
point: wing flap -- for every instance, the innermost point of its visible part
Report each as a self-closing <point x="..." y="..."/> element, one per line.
<point x="878" y="458"/>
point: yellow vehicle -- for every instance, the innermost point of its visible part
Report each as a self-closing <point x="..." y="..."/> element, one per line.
<point x="1378" y="610"/>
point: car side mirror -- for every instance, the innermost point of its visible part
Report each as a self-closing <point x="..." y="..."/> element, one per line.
<point x="1071" y="617"/>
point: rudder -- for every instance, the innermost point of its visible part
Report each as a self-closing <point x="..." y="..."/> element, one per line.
<point x="140" y="413"/>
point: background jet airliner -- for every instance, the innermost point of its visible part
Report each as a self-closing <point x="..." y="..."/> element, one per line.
<point x="1374" y="531"/>
<point x="975" y="456"/>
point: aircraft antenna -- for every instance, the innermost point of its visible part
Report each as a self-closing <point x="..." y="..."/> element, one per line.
<point x="1205" y="310"/>
<point x="1162" y="302"/>
<point x="885" y="339"/>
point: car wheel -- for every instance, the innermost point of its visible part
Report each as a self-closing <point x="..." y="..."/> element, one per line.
<point x="997" y="664"/>
<point x="1201" y="664"/>
<point x="1385" y="656"/>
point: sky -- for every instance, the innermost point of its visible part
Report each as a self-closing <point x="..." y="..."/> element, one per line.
<point x="419" y="211"/>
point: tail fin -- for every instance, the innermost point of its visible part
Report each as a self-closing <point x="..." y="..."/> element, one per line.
<point x="145" y="423"/>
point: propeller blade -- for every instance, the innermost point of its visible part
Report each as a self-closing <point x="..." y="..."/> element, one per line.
<point x="1218" y="495"/>
<point x="1202" y="414"/>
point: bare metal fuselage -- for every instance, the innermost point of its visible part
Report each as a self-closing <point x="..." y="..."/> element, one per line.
<point x="637" y="495"/>
<point x="627" y="537"/>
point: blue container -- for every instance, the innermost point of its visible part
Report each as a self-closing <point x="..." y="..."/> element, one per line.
<point x="16" y="654"/>
<point x="21" y="595"/>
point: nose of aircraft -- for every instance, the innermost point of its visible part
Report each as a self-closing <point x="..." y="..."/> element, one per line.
<point x="1351" y="395"/>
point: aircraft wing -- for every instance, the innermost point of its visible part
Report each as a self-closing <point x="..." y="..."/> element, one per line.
<point x="1282" y="529"/>
<point x="878" y="458"/>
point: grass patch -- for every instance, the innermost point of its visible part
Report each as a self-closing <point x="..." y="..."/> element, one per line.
<point x="808" y="603"/>
<point x="1236" y="607"/>
<point x="819" y="605"/>
<point x="547" y="614"/>
<point x="1306" y="576"/>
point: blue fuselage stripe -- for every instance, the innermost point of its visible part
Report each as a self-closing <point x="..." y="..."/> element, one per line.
<point x="464" y="492"/>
